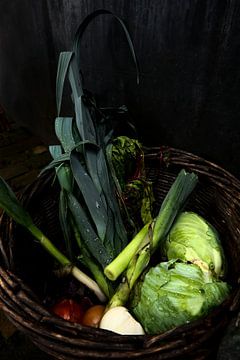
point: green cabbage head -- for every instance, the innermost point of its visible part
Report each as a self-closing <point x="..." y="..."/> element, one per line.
<point x="174" y="293"/>
<point x="194" y="240"/>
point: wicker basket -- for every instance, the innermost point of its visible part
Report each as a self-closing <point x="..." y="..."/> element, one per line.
<point x="217" y="198"/>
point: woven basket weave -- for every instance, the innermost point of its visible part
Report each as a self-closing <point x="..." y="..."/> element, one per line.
<point x="217" y="198"/>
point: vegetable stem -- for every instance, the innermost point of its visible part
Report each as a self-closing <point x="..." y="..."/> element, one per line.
<point x="90" y="283"/>
<point x="86" y="259"/>
<point x="172" y="205"/>
<point x="48" y="245"/>
<point x="63" y="260"/>
<point x="120" y="263"/>
<point x="121" y="295"/>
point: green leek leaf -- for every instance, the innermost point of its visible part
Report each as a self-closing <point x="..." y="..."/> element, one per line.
<point x="64" y="132"/>
<point x="83" y="119"/>
<point x="87" y="21"/>
<point x="90" y="238"/>
<point x="91" y="196"/>
<point x="108" y="189"/>
<point x="63" y="65"/>
<point x="10" y="204"/>
<point x="65" y="223"/>
<point x="57" y="161"/>
<point x="173" y="203"/>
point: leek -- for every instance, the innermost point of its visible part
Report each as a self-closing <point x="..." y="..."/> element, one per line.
<point x="136" y="256"/>
<point x="88" y="204"/>
<point x="10" y="204"/>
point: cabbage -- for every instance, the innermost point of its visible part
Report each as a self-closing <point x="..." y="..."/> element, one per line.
<point x="174" y="293"/>
<point x="193" y="239"/>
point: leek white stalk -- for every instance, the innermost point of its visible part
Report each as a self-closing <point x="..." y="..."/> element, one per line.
<point x="89" y="282"/>
<point x="120" y="263"/>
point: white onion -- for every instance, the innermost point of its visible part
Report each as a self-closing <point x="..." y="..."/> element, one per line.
<point x="120" y="321"/>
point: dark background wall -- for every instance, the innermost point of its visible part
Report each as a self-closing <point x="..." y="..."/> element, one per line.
<point x="188" y="50"/>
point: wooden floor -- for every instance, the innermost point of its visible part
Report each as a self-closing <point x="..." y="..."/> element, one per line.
<point x="22" y="156"/>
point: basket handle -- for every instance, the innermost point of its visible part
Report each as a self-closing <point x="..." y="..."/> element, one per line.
<point x="82" y="27"/>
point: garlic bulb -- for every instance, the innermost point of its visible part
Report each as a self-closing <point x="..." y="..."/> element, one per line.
<point x="120" y="321"/>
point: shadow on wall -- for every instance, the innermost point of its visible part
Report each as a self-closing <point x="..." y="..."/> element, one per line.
<point x="188" y="52"/>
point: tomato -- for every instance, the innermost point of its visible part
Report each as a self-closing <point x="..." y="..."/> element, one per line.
<point x="70" y="310"/>
<point x="93" y="316"/>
